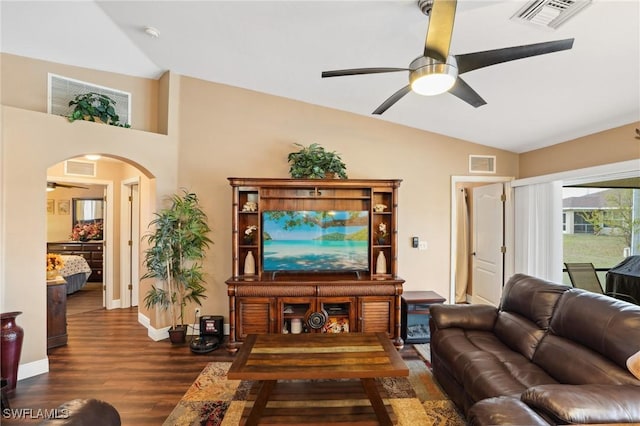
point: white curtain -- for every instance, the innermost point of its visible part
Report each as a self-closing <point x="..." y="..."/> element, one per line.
<point x="538" y="230"/>
<point x="462" y="247"/>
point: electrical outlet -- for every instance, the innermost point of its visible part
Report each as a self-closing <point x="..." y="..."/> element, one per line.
<point x="422" y="245"/>
<point x="197" y="312"/>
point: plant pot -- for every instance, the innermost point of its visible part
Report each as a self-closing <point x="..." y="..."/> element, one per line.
<point x="178" y="335"/>
<point x="11" y="335"/>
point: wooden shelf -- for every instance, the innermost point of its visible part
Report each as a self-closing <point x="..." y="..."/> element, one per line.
<point x="256" y="301"/>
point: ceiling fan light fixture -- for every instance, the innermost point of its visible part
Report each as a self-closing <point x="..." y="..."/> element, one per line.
<point x="430" y="77"/>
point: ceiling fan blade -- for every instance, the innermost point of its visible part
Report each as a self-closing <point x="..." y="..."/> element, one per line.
<point x="438" y="40"/>
<point x="463" y="91"/>
<point x="392" y="100"/>
<point x="472" y="61"/>
<point x="357" y="71"/>
<point x="62" y="185"/>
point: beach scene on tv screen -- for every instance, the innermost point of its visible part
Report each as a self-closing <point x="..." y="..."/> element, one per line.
<point x="315" y="240"/>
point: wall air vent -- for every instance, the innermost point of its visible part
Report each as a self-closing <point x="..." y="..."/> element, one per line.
<point x="80" y="168"/>
<point x="64" y="89"/>
<point x="482" y="164"/>
<point x="549" y="13"/>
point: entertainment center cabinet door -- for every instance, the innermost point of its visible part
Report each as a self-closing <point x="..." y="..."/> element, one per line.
<point x="255" y="315"/>
<point x="376" y="314"/>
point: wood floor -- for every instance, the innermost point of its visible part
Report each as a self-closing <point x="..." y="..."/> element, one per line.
<point x="110" y="357"/>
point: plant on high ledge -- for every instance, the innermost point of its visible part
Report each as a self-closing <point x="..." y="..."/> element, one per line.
<point x="89" y="106"/>
<point x="177" y="247"/>
<point x="314" y="162"/>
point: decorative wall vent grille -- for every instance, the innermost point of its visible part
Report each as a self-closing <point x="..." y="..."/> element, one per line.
<point x="549" y="13"/>
<point x="63" y="89"/>
<point x="80" y="168"/>
<point x="482" y="164"/>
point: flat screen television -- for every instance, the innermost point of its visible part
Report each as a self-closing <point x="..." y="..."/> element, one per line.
<point x="315" y="241"/>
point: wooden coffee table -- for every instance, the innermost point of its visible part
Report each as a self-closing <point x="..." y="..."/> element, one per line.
<point x="267" y="358"/>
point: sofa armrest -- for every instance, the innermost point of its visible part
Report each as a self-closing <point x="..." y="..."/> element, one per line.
<point x="468" y="317"/>
<point x="586" y="403"/>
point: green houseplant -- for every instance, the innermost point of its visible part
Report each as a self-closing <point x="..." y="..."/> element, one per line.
<point x="89" y="106"/>
<point x="314" y="162"/>
<point x="176" y="249"/>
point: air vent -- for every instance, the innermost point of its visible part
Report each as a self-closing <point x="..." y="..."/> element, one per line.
<point x="550" y="13"/>
<point x="482" y="164"/>
<point x="63" y="89"/>
<point x="80" y="168"/>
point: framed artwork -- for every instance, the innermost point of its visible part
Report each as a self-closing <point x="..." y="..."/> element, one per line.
<point x="50" y="207"/>
<point x="64" y="206"/>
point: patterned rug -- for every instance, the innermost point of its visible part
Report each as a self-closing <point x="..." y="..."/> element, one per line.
<point x="213" y="400"/>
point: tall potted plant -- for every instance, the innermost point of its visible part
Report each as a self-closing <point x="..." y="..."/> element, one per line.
<point x="176" y="249"/>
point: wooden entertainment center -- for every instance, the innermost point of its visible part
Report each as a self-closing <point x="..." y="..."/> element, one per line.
<point x="272" y="301"/>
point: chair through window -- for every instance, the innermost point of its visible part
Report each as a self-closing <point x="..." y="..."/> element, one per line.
<point x="584" y="276"/>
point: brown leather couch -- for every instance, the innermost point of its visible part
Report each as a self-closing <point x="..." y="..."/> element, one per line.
<point x="550" y="354"/>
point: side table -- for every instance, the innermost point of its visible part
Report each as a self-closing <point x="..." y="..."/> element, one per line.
<point x="415" y="315"/>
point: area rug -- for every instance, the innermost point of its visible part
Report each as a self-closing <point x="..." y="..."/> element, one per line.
<point x="213" y="400"/>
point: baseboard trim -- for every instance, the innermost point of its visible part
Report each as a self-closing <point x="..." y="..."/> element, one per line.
<point x="34" y="368"/>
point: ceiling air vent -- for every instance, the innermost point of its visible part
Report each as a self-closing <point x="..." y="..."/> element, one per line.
<point x="64" y="89"/>
<point x="482" y="164"/>
<point x="549" y="13"/>
<point x="80" y="168"/>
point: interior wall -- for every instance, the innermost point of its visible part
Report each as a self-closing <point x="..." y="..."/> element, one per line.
<point x="25" y="85"/>
<point x="227" y="131"/>
<point x="31" y="143"/>
<point x="59" y="223"/>
<point x="608" y="147"/>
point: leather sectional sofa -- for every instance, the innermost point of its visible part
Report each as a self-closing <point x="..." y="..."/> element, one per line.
<point x="550" y="354"/>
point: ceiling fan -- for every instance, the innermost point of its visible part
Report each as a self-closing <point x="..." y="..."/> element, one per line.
<point x="53" y="185"/>
<point x="436" y="71"/>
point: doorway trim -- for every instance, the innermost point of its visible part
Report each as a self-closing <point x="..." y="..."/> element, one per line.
<point x="509" y="220"/>
<point x="134" y="260"/>
<point x="107" y="266"/>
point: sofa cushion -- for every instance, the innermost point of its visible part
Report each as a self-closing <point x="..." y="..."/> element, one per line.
<point x="580" y="365"/>
<point x="518" y="333"/>
<point x="601" y="323"/>
<point x="587" y="403"/>
<point x="532" y="298"/>
<point x="503" y="410"/>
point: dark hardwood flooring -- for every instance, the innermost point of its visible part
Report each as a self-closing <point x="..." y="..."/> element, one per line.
<point x="110" y="357"/>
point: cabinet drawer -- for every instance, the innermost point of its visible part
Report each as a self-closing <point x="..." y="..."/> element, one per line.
<point x="59" y="247"/>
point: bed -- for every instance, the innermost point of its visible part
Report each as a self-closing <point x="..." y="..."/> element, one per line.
<point x="76" y="271"/>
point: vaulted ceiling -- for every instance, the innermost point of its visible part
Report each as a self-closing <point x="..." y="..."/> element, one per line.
<point x="281" y="48"/>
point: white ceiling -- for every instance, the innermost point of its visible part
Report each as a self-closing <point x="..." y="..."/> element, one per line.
<point x="281" y="47"/>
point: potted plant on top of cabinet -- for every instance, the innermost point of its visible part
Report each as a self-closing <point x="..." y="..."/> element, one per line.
<point x="174" y="258"/>
<point x="314" y="162"/>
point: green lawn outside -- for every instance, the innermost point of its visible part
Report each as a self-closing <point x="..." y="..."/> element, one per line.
<point x="604" y="251"/>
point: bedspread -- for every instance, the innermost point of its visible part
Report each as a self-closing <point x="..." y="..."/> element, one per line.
<point x="76" y="271"/>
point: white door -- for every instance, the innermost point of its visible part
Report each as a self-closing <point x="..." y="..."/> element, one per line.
<point x="488" y="243"/>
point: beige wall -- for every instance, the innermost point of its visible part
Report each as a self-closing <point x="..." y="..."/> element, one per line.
<point x="226" y="131"/>
<point x="608" y="147"/>
<point x="24" y="85"/>
<point x="59" y="225"/>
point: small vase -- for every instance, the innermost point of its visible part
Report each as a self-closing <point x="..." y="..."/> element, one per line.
<point x="51" y="275"/>
<point x="11" y="338"/>
<point x="382" y="240"/>
<point x="248" y="240"/>
<point x="249" y="264"/>
<point x="381" y="263"/>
